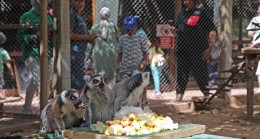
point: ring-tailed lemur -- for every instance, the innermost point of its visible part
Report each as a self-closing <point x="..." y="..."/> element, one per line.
<point x="100" y="99"/>
<point x="63" y="111"/>
<point x="129" y="91"/>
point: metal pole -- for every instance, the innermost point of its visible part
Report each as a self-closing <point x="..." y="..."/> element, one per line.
<point x="43" y="54"/>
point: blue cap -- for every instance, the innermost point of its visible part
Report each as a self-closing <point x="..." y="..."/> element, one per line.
<point x="129" y="23"/>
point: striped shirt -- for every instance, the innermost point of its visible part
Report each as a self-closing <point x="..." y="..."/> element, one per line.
<point x="132" y="48"/>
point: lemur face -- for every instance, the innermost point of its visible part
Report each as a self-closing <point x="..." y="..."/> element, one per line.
<point x="95" y="81"/>
<point x="72" y="96"/>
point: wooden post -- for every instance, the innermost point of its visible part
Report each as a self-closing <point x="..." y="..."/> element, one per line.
<point x="94" y="10"/>
<point x="225" y="36"/>
<point x="251" y="59"/>
<point x="43" y="54"/>
<point x="250" y="74"/>
<point x="177" y="9"/>
<point x="62" y="70"/>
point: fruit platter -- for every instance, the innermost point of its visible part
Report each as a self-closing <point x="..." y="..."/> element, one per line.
<point x="132" y="121"/>
<point x="135" y="122"/>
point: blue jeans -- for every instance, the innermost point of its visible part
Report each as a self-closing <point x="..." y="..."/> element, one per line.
<point x="213" y="73"/>
<point x="156" y="77"/>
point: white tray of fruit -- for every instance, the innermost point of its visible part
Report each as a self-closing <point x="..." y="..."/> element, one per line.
<point x="135" y="121"/>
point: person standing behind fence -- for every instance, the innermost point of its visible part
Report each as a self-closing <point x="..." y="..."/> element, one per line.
<point x="156" y="62"/>
<point x="255" y="35"/>
<point x="133" y="50"/>
<point x="213" y="64"/>
<point x="193" y="29"/>
<point x="103" y="52"/>
<point x="4" y="59"/>
<point x="30" y="46"/>
<point x="79" y="39"/>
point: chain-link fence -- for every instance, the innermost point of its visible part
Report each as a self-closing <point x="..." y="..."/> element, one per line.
<point x="151" y="12"/>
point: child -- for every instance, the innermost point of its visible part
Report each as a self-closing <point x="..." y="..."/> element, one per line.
<point x="133" y="50"/>
<point x="213" y="64"/>
<point x="156" y="62"/>
<point x="4" y="59"/>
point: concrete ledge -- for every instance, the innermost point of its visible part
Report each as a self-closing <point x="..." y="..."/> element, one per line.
<point x="175" y="107"/>
<point x="188" y="107"/>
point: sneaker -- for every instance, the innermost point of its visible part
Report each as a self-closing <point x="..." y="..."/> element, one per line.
<point x="158" y="93"/>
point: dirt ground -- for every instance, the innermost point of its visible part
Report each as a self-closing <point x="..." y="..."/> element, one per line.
<point x="219" y="120"/>
<point x="230" y="122"/>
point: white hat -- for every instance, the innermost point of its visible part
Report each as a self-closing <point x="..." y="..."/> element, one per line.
<point x="2" y="38"/>
<point x="105" y="13"/>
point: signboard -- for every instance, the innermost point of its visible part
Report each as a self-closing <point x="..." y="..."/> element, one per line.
<point x="166" y="35"/>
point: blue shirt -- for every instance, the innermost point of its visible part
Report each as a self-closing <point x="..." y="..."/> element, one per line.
<point x="79" y="26"/>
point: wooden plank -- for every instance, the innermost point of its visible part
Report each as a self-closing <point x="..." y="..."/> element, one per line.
<point x="20" y="127"/>
<point x="15" y="53"/>
<point x="18" y="26"/>
<point x="19" y="115"/>
<point x="238" y="42"/>
<point x="250" y="50"/>
<point x="185" y="130"/>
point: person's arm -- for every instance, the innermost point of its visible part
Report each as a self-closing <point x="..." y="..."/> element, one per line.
<point x="10" y="68"/>
<point x="87" y="37"/>
<point x="208" y="23"/>
<point x="142" y="65"/>
<point x="75" y="36"/>
<point x="251" y="26"/>
<point x="250" y="34"/>
<point x="211" y="41"/>
<point x="150" y="55"/>
<point x="119" y="53"/>
<point x="145" y="50"/>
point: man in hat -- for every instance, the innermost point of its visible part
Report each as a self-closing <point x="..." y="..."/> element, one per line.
<point x="133" y="50"/>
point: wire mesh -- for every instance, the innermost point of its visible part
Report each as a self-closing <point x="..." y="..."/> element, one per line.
<point x="152" y="12"/>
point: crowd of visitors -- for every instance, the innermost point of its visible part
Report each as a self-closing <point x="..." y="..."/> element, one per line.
<point x="120" y="54"/>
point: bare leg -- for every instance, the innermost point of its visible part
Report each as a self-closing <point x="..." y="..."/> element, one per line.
<point x="30" y="91"/>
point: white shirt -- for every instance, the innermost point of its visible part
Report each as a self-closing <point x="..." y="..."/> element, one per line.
<point x="257" y="32"/>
